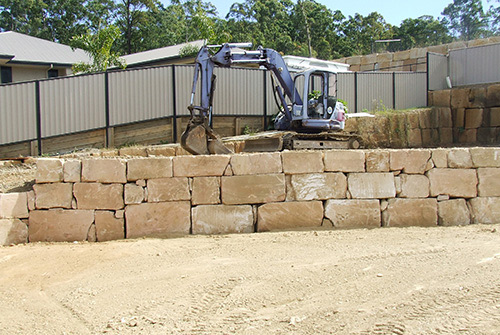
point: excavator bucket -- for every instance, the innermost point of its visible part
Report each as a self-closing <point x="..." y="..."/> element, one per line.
<point x="200" y="139"/>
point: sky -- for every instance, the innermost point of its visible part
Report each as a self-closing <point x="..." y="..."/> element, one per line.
<point x="394" y="11"/>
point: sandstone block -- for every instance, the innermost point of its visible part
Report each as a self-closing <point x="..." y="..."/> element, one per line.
<point x="56" y="195"/>
<point x="206" y="191"/>
<point x="49" y="170"/>
<point x="409" y="161"/>
<point x="473" y="118"/>
<point x="319" y="186"/>
<point x="161" y="150"/>
<point x="345" y="161"/>
<point x="377" y="161"/>
<point x="445" y="120"/>
<point x="485" y="157"/>
<point x="168" y="189"/>
<point x="98" y="196"/>
<point x="410" y="212"/>
<point x="71" y="171"/>
<point x="134" y="194"/>
<point x="458" y="116"/>
<point x="442" y="98"/>
<point x="453" y="213"/>
<point x="295" y="162"/>
<point x="158" y="219"/>
<point x="199" y="166"/>
<point x="414" y="186"/>
<point x="134" y="151"/>
<point x="415" y="138"/>
<point x="289" y="215"/>
<point x="457" y="183"/>
<point x="485" y="210"/>
<point x="13" y="231"/>
<point x="493" y="95"/>
<point x="425" y="118"/>
<point x="236" y="190"/>
<point x="31" y="201"/>
<point x="13" y="205"/>
<point x="402" y="55"/>
<point x="460" y="97"/>
<point x="59" y="225"/>
<point x="353" y="213"/>
<point x="430" y="137"/>
<point x="104" y="170"/>
<point x="222" y="219"/>
<point x="149" y="168"/>
<point x="489" y="182"/>
<point x="477" y="97"/>
<point x="371" y="185"/>
<point x="108" y="227"/>
<point x="440" y="158"/>
<point x="445" y="136"/>
<point x="413" y="119"/>
<point x="495" y="117"/>
<point x="459" y="158"/>
<point x="258" y="163"/>
<point x="468" y="136"/>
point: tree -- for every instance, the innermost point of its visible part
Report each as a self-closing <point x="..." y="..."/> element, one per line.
<point x="494" y="14"/>
<point x="466" y="19"/>
<point x="98" y="47"/>
<point x="23" y="16"/>
<point x="361" y="32"/>
<point x="421" y="32"/>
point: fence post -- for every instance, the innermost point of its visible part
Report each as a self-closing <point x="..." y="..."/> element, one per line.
<point x="394" y="90"/>
<point x="38" y="117"/>
<point x="106" y="108"/>
<point x="265" y="99"/>
<point x="355" y="92"/>
<point x="174" y="103"/>
<point x="427" y="80"/>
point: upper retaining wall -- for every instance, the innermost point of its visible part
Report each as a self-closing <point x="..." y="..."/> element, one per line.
<point x="99" y="199"/>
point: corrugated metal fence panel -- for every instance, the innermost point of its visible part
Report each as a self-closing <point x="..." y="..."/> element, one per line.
<point x="139" y="95"/>
<point x="183" y="85"/>
<point x="272" y="108"/>
<point x="70" y="105"/>
<point x="239" y="92"/>
<point x="374" y="91"/>
<point x="438" y="71"/>
<point x="17" y="113"/>
<point x="410" y="89"/>
<point x="345" y="89"/>
<point x="476" y="65"/>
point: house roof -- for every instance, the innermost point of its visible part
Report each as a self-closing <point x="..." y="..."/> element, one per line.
<point x="25" y="49"/>
<point x="151" y="57"/>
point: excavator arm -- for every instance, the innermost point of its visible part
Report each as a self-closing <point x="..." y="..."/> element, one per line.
<point x="199" y="138"/>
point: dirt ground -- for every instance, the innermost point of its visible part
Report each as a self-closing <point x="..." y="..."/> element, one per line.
<point x="382" y="281"/>
<point x="16" y="176"/>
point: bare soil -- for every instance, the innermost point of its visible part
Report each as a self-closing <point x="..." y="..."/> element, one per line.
<point x="16" y="176"/>
<point x="382" y="281"/>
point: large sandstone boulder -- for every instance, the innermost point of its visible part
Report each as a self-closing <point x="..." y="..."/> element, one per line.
<point x="485" y="157"/>
<point x="257" y="163"/>
<point x="199" y="166"/>
<point x="104" y="171"/>
<point x="489" y="182"/>
<point x="453" y="213"/>
<point x="258" y="189"/>
<point x="98" y="196"/>
<point x="456" y="183"/>
<point x="414" y="186"/>
<point x="485" y="210"/>
<point x="222" y="219"/>
<point x="295" y="162"/>
<point x="289" y="215"/>
<point x="108" y="226"/>
<point x="345" y="161"/>
<point x="49" y="170"/>
<point x="149" y="168"/>
<point x="168" y="189"/>
<point x="13" y="231"/>
<point x="377" y="161"/>
<point x="409" y="161"/>
<point x="205" y="191"/>
<point x="59" y="225"/>
<point x="13" y="205"/>
<point x="72" y="170"/>
<point x="134" y="194"/>
<point x="158" y="219"/>
<point x="353" y="213"/>
<point x="319" y="186"/>
<point x="56" y="195"/>
<point x="371" y="185"/>
<point x="459" y="158"/>
<point x="410" y="212"/>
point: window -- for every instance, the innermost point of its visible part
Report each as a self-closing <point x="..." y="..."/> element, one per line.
<point x="53" y="73"/>
<point x="6" y="74"/>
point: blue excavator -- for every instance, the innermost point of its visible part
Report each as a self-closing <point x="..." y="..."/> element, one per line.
<point x="309" y="114"/>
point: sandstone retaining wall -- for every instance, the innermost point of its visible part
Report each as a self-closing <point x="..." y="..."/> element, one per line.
<point x="100" y="199"/>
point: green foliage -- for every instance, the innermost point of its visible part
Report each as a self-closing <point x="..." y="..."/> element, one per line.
<point x="189" y="50"/>
<point x="466" y="19"/>
<point x="421" y="32"/>
<point x="98" y="47"/>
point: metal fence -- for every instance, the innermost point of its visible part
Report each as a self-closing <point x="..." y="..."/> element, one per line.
<point x="52" y="107"/>
<point x="470" y="66"/>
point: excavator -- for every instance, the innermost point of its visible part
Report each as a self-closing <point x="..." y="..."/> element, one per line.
<point x="308" y="109"/>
